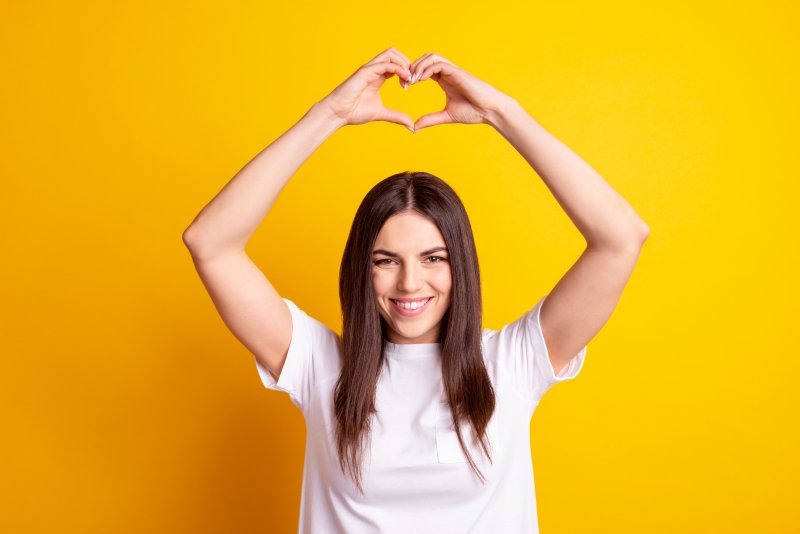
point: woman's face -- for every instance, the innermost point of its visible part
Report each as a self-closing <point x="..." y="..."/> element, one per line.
<point x="410" y="263"/>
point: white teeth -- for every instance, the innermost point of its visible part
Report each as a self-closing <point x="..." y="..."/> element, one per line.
<point x="411" y="305"/>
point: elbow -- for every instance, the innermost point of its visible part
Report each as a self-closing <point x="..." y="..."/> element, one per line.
<point x="203" y="248"/>
<point x="637" y="236"/>
<point x="188" y="238"/>
<point x="627" y="240"/>
<point x="637" y="231"/>
<point x="191" y="240"/>
<point x="644" y="232"/>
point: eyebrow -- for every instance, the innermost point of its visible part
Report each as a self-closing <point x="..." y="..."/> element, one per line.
<point x="396" y="255"/>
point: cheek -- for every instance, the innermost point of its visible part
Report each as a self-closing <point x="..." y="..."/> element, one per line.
<point x="380" y="286"/>
<point x="381" y="281"/>
<point x="442" y="280"/>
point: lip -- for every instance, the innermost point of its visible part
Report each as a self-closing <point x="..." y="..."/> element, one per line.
<point x="410" y="313"/>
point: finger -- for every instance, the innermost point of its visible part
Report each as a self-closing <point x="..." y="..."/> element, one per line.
<point x="402" y="55"/>
<point x="415" y="65"/>
<point x="386" y="69"/>
<point x="423" y="56"/>
<point x="405" y="79"/>
<point x="402" y="75"/>
<point x="390" y="54"/>
<point x="419" y="65"/>
<point x="397" y="117"/>
<point x="380" y="57"/>
<point x="433" y="119"/>
<point x="434" y="68"/>
<point x="390" y="50"/>
<point x="394" y="58"/>
<point x="400" y="59"/>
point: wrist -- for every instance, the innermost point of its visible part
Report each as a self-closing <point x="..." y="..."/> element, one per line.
<point x="326" y="115"/>
<point x="502" y="113"/>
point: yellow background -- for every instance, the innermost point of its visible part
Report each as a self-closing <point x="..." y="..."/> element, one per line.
<point x="128" y="407"/>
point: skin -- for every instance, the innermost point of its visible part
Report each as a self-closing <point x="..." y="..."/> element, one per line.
<point x="576" y="308"/>
<point x="411" y="275"/>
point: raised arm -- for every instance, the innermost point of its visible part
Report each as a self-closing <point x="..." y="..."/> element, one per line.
<point x="226" y="223"/>
<point x="583" y="300"/>
<point x="248" y="303"/>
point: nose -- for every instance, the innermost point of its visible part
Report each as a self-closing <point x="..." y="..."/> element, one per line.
<point x="411" y="278"/>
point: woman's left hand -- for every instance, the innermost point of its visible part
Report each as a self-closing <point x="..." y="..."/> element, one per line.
<point x="469" y="100"/>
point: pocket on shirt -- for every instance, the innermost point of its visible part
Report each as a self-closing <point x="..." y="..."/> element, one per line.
<point x="448" y="449"/>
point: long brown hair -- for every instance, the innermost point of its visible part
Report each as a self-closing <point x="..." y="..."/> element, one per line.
<point x="466" y="382"/>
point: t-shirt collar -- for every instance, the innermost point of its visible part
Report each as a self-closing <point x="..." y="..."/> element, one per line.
<point x="412" y="350"/>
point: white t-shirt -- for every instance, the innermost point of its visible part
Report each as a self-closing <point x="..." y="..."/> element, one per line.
<point x="416" y="478"/>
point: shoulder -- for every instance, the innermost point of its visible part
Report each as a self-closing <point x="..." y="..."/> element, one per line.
<point x="322" y="345"/>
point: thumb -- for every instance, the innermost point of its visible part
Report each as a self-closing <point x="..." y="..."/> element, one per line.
<point x="397" y="117"/>
<point x="433" y="119"/>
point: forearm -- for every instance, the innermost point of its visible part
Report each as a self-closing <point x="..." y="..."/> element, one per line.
<point x="602" y="216"/>
<point x="231" y="217"/>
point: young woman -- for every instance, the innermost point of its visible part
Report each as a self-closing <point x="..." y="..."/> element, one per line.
<point x="418" y="419"/>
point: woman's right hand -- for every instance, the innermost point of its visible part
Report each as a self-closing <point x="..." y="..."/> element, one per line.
<point x="357" y="100"/>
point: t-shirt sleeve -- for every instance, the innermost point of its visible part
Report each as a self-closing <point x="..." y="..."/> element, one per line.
<point x="305" y="359"/>
<point x="524" y="353"/>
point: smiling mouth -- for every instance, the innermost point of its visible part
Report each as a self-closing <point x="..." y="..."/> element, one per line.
<point x="411" y="305"/>
<point x="411" y="301"/>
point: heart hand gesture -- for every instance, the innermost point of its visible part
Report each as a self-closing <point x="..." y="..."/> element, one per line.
<point x="469" y="100"/>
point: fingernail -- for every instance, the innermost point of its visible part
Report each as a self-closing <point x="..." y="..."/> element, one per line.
<point x="405" y="85"/>
<point x="410" y="129"/>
